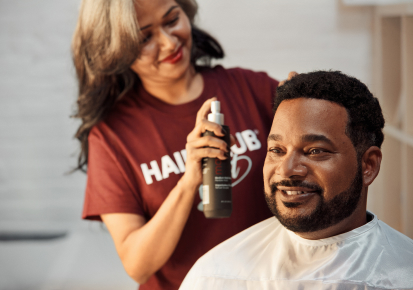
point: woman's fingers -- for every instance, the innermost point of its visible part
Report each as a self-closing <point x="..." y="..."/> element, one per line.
<point x="233" y="140"/>
<point x="209" y="141"/>
<point x="208" y="152"/>
<point x="291" y="74"/>
<point x="202" y="126"/>
<point x="196" y="154"/>
<point x="207" y="146"/>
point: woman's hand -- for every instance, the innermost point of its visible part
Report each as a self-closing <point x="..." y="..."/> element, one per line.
<point x="291" y="74"/>
<point x="198" y="146"/>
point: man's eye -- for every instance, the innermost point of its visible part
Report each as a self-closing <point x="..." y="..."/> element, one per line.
<point x="275" y="150"/>
<point x="315" y="151"/>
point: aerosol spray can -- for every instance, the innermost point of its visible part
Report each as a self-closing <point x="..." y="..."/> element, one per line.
<point x="216" y="188"/>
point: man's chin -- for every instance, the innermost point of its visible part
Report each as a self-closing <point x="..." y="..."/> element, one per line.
<point x="292" y="204"/>
<point x="292" y="215"/>
<point x="295" y="223"/>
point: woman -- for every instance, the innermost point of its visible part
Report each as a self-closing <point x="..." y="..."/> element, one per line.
<point x="139" y="93"/>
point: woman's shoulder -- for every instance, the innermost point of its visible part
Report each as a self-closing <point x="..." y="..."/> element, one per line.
<point x="238" y="74"/>
<point x="219" y="69"/>
<point x="123" y="109"/>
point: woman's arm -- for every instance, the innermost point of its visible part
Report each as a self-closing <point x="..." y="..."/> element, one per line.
<point x="145" y="246"/>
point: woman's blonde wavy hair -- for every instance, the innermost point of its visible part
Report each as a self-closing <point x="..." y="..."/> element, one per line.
<point x="105" y="43"/>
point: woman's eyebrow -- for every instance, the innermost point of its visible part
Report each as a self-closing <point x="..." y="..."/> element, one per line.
<point x="170" y="10"/>
<point x="165" y="15"/>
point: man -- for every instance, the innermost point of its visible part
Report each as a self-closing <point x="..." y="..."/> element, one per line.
<point x="323" y="153"/>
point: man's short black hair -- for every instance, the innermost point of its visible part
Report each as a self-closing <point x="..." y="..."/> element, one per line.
<point x="365" y="118"/>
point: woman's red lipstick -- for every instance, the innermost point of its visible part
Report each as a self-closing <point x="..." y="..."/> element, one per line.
<point x="175" y="57"/>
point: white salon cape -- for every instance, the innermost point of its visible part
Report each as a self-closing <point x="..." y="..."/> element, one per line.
<point x="268" y="256"/>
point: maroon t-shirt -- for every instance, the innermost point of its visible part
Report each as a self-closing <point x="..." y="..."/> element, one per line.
<point x="137" y="155"/>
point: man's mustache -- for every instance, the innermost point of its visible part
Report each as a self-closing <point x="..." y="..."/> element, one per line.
<point x="295" y="183"/>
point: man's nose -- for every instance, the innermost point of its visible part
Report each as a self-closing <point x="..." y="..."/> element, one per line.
<point x="291" y="166"/>
<point x="166" y="40"/>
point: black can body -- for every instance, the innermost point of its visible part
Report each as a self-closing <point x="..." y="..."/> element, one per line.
<point x="216" y="188"/>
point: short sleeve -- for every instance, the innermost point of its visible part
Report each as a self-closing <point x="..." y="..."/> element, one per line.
<point x="109" y="188"/>
<point x="261" y="81"/>
<point x="262" y="86"/>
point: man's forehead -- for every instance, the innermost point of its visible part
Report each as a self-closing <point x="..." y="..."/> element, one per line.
<point x="308" y="116"/>
<point x="305" y="103"/>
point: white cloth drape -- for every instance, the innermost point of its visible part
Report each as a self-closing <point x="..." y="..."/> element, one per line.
<point x="268" y="256"/>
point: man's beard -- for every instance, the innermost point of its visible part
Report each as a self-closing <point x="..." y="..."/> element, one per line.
<point x="326" y="214"/>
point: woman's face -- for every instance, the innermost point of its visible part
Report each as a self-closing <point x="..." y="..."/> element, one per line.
<point x="166" y="42"/>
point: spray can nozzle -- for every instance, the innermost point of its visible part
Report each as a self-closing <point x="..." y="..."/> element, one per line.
<point x="215" y="115"/>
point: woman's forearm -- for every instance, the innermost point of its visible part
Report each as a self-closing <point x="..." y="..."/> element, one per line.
<point x="144" y="250"/>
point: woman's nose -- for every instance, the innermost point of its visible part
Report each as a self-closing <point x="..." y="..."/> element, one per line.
<point x="291" y="166"/>
<point x="166" y="40"/>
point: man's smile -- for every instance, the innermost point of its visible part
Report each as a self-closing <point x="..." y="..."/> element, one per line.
<point x="295" y="194"/>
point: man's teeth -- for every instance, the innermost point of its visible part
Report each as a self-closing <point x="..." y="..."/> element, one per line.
<point x="294" y="192"/>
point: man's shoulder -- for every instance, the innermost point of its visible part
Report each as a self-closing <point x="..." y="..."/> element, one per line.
<point x="222" y="260"/>
<point x="396" y="244"/>
<point x="386" y="257"/>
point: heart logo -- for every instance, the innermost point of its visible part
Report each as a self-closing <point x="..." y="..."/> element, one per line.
<point x="235" y="170"/>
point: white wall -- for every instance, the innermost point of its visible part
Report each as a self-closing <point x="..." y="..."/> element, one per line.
<point x="282" y="35"/>
<point x="38" y="89"/>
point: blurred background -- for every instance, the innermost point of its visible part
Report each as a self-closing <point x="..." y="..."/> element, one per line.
<point x="44" y="244"/>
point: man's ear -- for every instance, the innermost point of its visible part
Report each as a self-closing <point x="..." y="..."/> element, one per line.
<point x="370" y="163"/>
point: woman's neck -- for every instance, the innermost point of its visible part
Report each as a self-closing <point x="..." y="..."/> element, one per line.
<point x="178" y="91"/>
